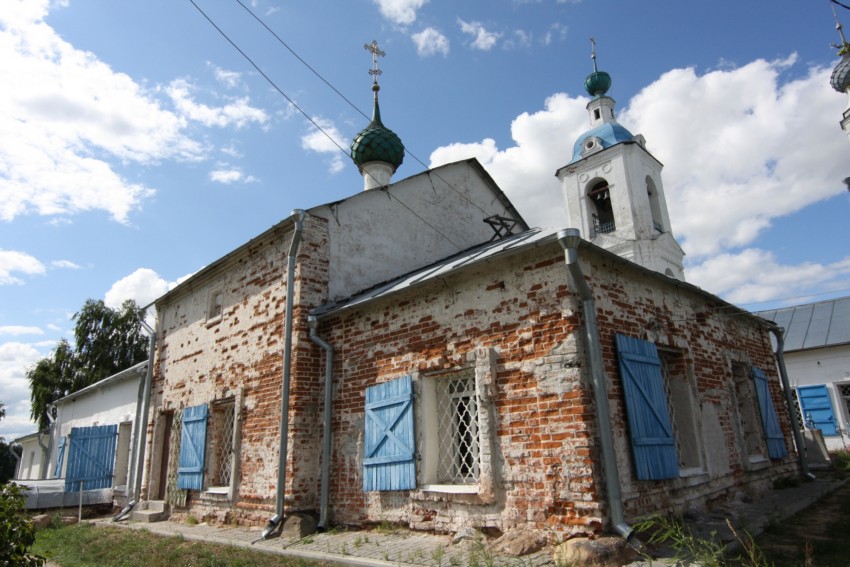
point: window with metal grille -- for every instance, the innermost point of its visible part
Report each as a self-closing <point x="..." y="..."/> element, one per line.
<point x="221" y="426"/>
<point x="457" y="422"/>
<point x="683" y="410"/>
<point x="798" y="412"/>
<point x="844" y="393"/>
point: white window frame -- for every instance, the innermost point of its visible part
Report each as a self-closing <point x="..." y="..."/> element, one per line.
<point x="750" y="428"/>
<point x="683" y="405"/>
<point x="221" y="447"/>
<point x="482" y="372"/>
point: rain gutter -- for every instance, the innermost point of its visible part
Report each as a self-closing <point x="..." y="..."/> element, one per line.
<point x="569" y="240"/>
<point x="276" y="520"/>
<point x="779" y="333"/>
<point x="313" y="323"/>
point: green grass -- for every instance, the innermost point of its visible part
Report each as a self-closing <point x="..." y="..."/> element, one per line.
<point x="91" y="546"/>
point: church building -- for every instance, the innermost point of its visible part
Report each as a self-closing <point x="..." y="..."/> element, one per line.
<point x="417" y="354"/>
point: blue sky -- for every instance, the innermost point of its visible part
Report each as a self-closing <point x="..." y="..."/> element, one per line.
<point x="139" y="145"/>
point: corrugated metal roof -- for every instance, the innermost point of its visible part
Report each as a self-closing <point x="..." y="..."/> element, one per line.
<point x="534" y="236"/>
<point x="813" y="325"/>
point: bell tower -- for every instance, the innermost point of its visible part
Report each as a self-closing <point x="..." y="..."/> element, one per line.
<point x="613" y="191"/>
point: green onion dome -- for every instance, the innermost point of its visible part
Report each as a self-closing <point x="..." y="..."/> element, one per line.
<point x="597" y="83"/>
<point x="376" y="142"/>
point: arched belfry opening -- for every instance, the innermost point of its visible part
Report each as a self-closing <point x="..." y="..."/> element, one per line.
<point x="654" y="205"/>
<point x="601" y="210"/>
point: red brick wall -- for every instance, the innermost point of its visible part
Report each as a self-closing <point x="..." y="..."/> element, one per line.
<point x="240" y="354"/>
<point x="548" y="471"/>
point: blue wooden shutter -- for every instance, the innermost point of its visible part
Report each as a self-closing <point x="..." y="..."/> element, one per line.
<point x="817" y="408"/>
<point x="60" y="455"/>
<point x="91" y="457"/>
<point x="653" y="444"/>
<point x="388" y="460"/>
<point x="193" y="442"/>
<point x="772" y="431"/>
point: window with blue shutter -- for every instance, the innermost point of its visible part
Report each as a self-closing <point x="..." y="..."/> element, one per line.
<point x="816" y="408"/>
<point x="91" y="457"/>
<point x="388" y="460"/>
<point x="653" y="444"/>
<point x="772" y="431"/>
<point x="193" y="442"/>
<point x="60" y="455"/>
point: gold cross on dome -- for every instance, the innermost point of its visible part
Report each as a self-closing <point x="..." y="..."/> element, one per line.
<point x="376" y="52"/>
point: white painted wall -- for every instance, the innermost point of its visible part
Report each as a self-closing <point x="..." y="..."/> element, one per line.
<point x="112" y="403"/>
<point x="830" y="366"/>
<point x="29" y="467"/>
<point x="383" y="233"/>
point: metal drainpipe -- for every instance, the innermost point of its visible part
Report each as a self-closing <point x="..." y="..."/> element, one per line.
<point x="313" y="323"/>
<point x="569" y="239"/>
<point x="131" y="481"/>
<point x="275" y="521"/>
<point x="45" y="461"/>
<point x="779" y="333"/>
<point x="141" y="427"/>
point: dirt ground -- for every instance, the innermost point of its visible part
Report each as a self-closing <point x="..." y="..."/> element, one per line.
<point x="819" y="536"/>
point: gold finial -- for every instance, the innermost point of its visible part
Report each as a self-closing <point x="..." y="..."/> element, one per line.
<point x="376" y="52"/>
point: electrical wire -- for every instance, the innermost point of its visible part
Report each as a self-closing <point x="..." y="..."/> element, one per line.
<point x="330" y="85"/>
<point x="312" y="121"/>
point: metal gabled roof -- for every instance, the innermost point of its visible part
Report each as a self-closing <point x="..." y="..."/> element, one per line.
<point x="483" y="252"/>
<point x="813" y="325"/>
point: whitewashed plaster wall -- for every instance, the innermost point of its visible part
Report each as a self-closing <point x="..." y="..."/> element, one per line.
<point x="383" y="233"/>
<point x="829" y="366"/>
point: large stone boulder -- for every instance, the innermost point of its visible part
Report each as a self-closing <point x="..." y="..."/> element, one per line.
<point x="599" y="552"/>
<point x="517" y="543"/>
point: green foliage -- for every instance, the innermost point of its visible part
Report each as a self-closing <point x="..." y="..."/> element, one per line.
<point x="7" y="456"/>
<point x="17" y="533"/>
<point x="84" y="545"/>
<point x="841" y="460"/>
<point x="672" y="532"/>
<point x="108" y="341"/>
<point x="706" y="552"/>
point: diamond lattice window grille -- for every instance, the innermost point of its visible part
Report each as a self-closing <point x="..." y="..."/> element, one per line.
<point x="173" y="495"/>
<point x="844" y="392"/>
<point x="224" y="462"/>
<point x="798" y="411"/>
<point x="457" y="415"/>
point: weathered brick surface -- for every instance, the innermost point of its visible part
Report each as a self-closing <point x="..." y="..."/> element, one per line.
<point x="240" y="354"/>
<point x="545" y="464"/>
<point x="549" y="473"/>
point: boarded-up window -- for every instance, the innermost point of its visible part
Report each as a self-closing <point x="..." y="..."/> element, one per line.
<point x="190" y="470"/>
<point x="388" y="460"/>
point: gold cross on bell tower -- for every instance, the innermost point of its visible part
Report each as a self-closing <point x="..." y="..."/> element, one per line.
<point x="376" y="52"/>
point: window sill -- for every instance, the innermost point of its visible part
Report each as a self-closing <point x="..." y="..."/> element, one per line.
<point x="217" y="493"/>
<point x="759" y="462"/>
<point x="451" y="488"/>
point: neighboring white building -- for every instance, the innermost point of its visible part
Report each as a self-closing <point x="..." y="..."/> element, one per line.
<point x="90" y="449"/>
<point x="33" y="452"/>
<point x="817" y="357"/>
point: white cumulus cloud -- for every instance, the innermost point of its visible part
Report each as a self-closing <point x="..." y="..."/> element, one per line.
<point x="401" y="12"/>
<point x="741" y="147"/>
<point x="431" y="42"/>
<point x="143" y="286"/>
<point x="481" y="38"/>
<point x="13" y="261"/>
<point x="329" y="140"/>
